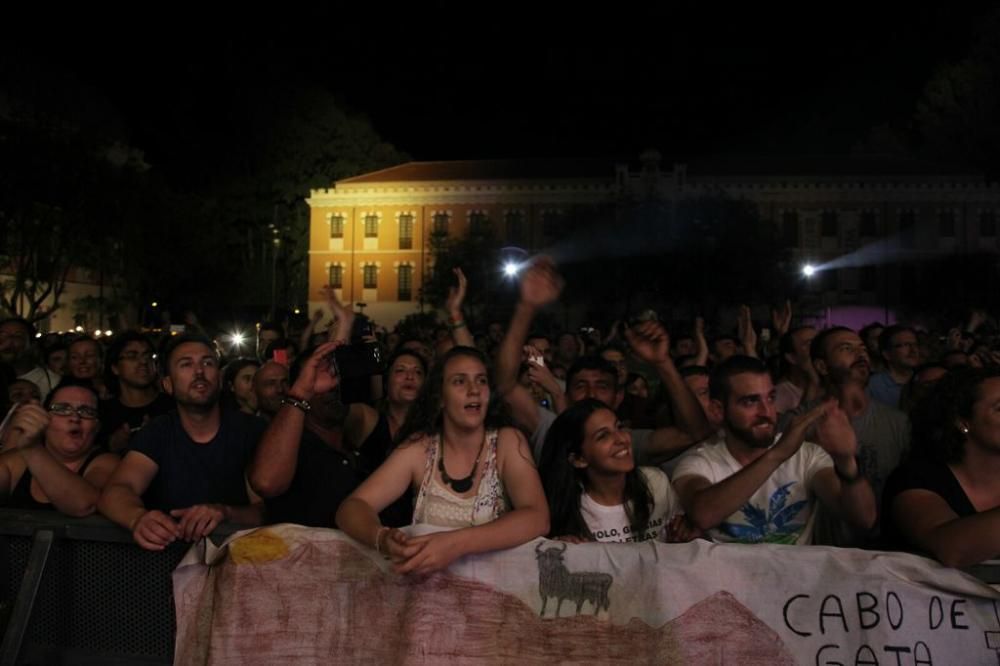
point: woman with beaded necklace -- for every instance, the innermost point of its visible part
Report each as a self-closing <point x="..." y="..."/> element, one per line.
<point x="477" y="480"/>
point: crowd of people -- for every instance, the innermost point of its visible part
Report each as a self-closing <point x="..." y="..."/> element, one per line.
<point x="884" y="438"/>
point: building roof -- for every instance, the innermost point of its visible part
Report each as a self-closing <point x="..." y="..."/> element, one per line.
<point x="524" y="169"/>
<point x="823" y="165"/>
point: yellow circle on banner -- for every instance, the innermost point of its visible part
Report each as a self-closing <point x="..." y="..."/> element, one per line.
<point x="257" y="548"/>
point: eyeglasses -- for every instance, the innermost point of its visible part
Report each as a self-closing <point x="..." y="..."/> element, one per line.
<point x="66" y="409"/>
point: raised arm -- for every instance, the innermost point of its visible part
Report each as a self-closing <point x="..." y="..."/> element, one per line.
<point x="69" y="492"/>
<point x="276" y="458"/>
<point x="540" y="286"/>
<point x="747" y="334"/>
<point x="650" y="343"/>
<point x="453" y="306"/>
<point x="310" y="328"/>
<point x="701" y="344"/>
<point x="843" y="489"/>
<point x="340" y="330"/>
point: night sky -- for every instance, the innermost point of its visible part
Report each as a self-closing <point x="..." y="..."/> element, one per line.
<point x="441" y="82"/>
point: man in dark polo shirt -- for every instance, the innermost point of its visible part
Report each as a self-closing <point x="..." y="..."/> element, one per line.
<point x="184" y="472"/>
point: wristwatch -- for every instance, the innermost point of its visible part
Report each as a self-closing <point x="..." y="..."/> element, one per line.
<point x="849" y="479"/>
<point x="295" y="402"/>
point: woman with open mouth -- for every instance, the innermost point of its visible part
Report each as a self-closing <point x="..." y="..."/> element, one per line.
<point x="49" y="460"/>
<point x="469" y="476"/>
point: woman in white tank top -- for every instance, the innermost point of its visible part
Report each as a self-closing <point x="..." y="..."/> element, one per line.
<point x="481" y="482"/>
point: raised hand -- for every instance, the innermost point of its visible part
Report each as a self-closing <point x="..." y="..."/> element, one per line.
<point x="456" y="295"/>
<point x="649" y="341"/>
<point x="793" y="436"/>
<point x="316" y="376"/>
<point x="835" y="434"/>
<point x="343" y="316"/>
<point x="781" y="320"/>
<point x="748" y="336"/>
<point x="28" y="423"/>
<point x="541" y="284"/>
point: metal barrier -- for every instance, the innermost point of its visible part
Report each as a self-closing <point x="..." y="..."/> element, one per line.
<point x="80" y="591"/>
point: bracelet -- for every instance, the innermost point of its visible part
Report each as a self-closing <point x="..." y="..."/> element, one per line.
<point x="378" y="538"/>
<point x="848" y="480"/>
<point x="296" y="402"/>
<point x="457" y="325"/>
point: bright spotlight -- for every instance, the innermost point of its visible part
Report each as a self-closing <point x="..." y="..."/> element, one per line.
<point x="510" y="269"/>
<point x="808" y="270"/>
<point x="237" y="339"/>
<point x="108" y="333"/>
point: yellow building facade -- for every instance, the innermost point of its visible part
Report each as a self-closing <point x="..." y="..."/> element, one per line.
<point x="370" y="236"/>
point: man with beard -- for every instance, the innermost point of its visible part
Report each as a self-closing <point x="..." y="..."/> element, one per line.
<point x="841" y="361"/>
<point x="136" y="398"/>
<point x="747" y="485"/>
<point x="185" y="471"/>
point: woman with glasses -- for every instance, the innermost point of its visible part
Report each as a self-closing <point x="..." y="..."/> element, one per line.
<point x="50" y="461"/>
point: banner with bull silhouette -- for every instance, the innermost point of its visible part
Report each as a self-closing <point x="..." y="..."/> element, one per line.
<point x="289" y="594"/>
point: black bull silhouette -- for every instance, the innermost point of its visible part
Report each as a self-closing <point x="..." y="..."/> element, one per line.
<point x="555" y="580"/>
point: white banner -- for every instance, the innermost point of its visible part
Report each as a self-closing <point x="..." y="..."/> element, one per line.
<point x="307" y="596"/>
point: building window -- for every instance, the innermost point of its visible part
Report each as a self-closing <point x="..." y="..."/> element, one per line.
<point x="868" y="279"/>
<point x="337" y="276"/>
<point x="440" y="224"/>
<point x="405" y="232"/>
<point x="869" y="224"/>
<point x="829" y="279"/>
<point x="371" y="277"/>
<point x="337" y="226"/>
<point x="550" y="223"/>
<point x="478" y="223"/>
<point x="946" y="223"/>
<point x="371" y="226"/>
<point x="790" y="228"/>
<point x="514" y="221"/>
<point x="828" y="223"/>
<point x="907" y="227"/>
<point x="405" y="283"/>
<point x="988" y="224"/>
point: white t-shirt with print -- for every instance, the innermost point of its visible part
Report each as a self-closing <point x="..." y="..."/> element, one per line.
<point x="780" y="511"/>
<point x="610" y="524"/>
